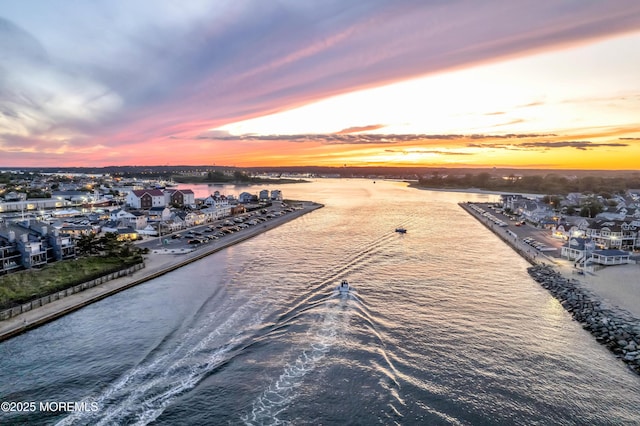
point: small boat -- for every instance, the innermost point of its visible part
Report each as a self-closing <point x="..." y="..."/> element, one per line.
<point x="401" y="230"/>
<point x="344" y="287"/>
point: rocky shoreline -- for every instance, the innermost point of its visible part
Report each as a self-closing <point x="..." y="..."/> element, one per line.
<point x="616" y="329"/>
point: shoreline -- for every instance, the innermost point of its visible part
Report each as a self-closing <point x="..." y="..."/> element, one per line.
<point x="155" y="265"/>
<point x="613" y="325"/>
<point x="472" y="190"/>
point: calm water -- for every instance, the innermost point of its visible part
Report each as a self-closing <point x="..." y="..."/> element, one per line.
<point x="445" y="327"/>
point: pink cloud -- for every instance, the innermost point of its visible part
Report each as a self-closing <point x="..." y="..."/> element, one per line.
<point x="164" y="83"/>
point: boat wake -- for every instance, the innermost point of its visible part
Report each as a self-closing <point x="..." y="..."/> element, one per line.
<point x="143" y="393"/>
<point x="282" y="392"/>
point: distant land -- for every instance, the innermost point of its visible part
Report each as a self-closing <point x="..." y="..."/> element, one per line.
<point x="506" y="180"/>
<point x="413" y="173"/>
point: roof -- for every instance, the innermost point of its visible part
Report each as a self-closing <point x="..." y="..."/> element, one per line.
<point x="173" y="191"/>
<point x="126" y="231"/>
<point x="577" y="243"/>
<point x="152" y="192"/>
<point x="611" y="252"/>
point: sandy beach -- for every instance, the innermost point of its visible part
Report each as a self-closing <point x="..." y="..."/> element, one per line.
<point x="617" y="286"/>
<point x="155" y="265"/>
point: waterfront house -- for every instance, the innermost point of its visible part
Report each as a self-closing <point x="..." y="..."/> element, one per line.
<point x="33" y="244"/>
<point x="180" y="197"/>
<point x="612" y="234"/>
<point x="146" y="198"/>
<point x="511" y="201"/>
<point x="276" y="195"/>
<point x="32" y="249"/>
<point x="577" y="249"/>
<point x="10" y="257"/>
<point x="245" y="197"/>
<point x="534" y="211"/>
<point x="263" y="195"/>
<point x="610" y="257"/>
<point x="216" y="200"/>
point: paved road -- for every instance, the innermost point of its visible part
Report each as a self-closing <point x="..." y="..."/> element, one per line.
<point x="523" y="231"/>
<point x="156" y="265"/>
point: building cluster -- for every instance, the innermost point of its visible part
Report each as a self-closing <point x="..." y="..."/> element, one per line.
<point x="607" y="239"/>
<point x="34" y="232"/>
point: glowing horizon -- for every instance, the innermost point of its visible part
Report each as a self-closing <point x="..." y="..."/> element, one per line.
<point x="255" y="84"/>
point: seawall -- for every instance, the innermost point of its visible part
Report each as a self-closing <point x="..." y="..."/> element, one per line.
<point x="615" y="328"/>
<point x="506" y="236"/>
<point x="155" y="266"/>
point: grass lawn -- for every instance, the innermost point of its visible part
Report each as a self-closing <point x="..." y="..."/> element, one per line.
<point x="23" y="286"/>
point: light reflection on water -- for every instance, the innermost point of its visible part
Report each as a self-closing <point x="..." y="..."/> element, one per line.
<point x="445" y="327"/>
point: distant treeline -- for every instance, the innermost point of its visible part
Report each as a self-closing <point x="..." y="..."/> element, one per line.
<point x="547" y="184"/>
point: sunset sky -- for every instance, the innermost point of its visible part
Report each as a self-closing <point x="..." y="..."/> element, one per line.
<point x="551" y="84"/>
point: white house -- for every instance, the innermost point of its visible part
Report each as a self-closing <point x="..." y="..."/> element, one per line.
<point x="216" y="200"/>
<point x="135" y="220"/>
<point x="146" y="198"/>
<point x="159" y="213"/>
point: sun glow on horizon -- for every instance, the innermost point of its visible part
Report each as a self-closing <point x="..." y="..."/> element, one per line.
<point x="525" y="85"/>
<point x="540" y="94"/>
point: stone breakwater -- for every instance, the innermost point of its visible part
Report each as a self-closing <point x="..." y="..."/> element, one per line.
<point x="616" y="329"/>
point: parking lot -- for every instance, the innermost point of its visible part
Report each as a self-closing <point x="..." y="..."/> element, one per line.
<point x="197" y="236"/>
<point x="531" y="237"/>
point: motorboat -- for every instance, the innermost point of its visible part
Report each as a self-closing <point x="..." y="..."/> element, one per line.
<point x="344" y="287"/>
<point x="401" y="230"/>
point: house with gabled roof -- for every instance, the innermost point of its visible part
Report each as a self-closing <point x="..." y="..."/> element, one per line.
<point x="179" y="197"/>
<point x="134" y="219"/>
<point x="535" y="211"/>
<point x="146" y="198"/>
<point x="613" y="234"/>
<point x="216" y="200"/>
<point x="577" y="249"/>
<point x="159" y="213"/>
<point x="246" y="197"/>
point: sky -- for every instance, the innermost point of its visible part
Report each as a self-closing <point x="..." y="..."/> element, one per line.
<point x="251" y="83"/>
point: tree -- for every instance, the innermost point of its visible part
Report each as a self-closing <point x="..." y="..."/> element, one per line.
<point x="109" y="244"/>
<point x="591" y="207"/>
<point x="87" y="245"/>
<point x="552" y="200"/>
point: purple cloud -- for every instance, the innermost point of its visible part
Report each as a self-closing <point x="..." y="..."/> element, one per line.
<point x="123" y="73"/>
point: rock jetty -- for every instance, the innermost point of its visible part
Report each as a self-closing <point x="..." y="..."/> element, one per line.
<point x="616" y="329"/>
